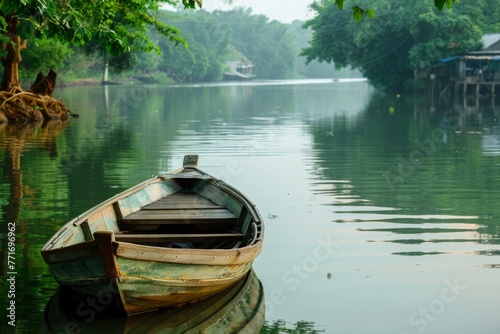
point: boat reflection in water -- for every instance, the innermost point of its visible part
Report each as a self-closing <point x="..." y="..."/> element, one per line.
<point x="239" y="309"/>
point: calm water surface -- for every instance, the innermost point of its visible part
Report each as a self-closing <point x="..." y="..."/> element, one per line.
<point x="382" y="213"/>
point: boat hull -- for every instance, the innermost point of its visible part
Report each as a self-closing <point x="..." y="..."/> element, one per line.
<point x="148" y="278"/>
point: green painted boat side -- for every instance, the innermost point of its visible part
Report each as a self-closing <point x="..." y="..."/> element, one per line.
<point x="190" y="256"/>
<point x="238" y="309"/>
<point x="146" y="275"/>
<point x="153" y="284"/>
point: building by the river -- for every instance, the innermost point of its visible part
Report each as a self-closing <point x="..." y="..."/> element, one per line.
<point x="239" y="70"/>
<point x="477" y="73"/>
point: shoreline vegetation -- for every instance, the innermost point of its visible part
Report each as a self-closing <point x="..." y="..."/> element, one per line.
<point x="25" y="106"/>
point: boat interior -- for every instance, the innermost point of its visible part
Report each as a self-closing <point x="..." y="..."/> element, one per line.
<point x="180" y="212"/>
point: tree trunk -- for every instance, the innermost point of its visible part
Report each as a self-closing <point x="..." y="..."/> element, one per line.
<point x="16" y="105"/>
<point x="12" y="58"/>
<point x="44" y="85"/>
<point x="105" y="75"/>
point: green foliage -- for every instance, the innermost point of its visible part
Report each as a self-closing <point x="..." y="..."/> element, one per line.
<point x="267" y="44"/>
<point x="313" y="69"/>
<point x="359" y="12"/>
<point x="123" y="62"/>
<point x="402" y="37"/>
<point x="425" y="52"/>
<point x="118" y="25"/>
<point x="484" y="12"/>
<point x="440" y="3"/>
<point x="47" y="53"/>
<point x="282" y="327"/>
<point x="215" y="37"/>
<point x="148" y="61"/>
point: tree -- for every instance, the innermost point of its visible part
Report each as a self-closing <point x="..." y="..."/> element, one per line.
<point x="403" y="37"/>
<point x="215" y="37"/>
<point x="46" y="53"/>
<point x="358" y="12"/>
<point x="118" y="25"/>
<point x="209" y="40"/>
<point x="267" y="44"/>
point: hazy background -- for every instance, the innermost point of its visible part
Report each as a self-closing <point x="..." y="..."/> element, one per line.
<point x="281" y="10"/>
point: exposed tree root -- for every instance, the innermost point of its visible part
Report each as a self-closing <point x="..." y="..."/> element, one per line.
<point x="18" y="106"/>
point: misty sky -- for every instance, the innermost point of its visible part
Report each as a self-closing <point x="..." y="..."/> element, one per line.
<point x="281" y="10"/>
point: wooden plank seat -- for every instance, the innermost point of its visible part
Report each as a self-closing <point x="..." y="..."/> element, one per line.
<point x="182" y="208"/>
<point x="181" y="216"/>
<point x="190" y="237"/>
<point x="183" y="200"/>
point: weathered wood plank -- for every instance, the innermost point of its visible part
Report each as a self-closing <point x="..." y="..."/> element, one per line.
<point x="72" y="253"/>
<point x="190" y="237"/>
<point x="103" y="220"/>
<point x="104" y="242"/>
<point x="180" y="216"/>
<point x="145" y="196"/>
<point x="152" y="227"/>
<point x="86" y="231"/>
<point x="218" y="196"/>
<point x="190" y="161"/>
<point x="182" y="201"/>
<point x="223" y="257"/>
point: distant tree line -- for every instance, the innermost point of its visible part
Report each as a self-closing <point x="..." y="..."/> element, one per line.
<point x="272" y="47"/>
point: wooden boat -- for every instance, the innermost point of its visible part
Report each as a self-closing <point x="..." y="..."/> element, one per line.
<point x="174" y="239"/>
<point x="238" y="309"/>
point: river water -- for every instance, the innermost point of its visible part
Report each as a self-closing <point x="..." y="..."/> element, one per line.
<point x="382" y="212"/>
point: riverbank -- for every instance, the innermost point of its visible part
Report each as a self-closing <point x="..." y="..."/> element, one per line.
<point x="26" y="107"/>
<point x="80" y="82"/>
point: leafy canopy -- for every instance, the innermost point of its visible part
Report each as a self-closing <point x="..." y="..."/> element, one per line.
<point x="359" y="12"/>
<point x="118" y="25"/>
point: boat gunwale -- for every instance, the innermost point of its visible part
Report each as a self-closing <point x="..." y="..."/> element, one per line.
<point x="220" y="257"/>
<point x="77" y="221"/>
